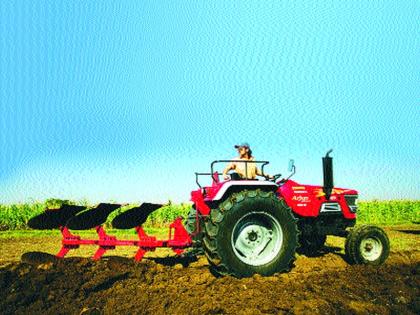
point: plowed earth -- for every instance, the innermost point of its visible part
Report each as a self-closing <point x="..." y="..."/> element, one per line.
<point x="325" y="284"/>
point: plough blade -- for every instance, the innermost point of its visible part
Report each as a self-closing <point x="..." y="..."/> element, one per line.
<point x="54" y="218"/>
<point x="134" y="217"/>
<point x="77" y="218"/>
<point x="92" y="218"/>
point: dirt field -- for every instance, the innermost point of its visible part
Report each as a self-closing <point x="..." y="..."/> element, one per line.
<point x="164" y="284"/>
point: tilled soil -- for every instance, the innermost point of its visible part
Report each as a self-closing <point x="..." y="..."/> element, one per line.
<point x="326" y="284"/>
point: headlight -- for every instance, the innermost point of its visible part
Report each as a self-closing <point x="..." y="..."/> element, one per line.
<point x="351" y="201"/>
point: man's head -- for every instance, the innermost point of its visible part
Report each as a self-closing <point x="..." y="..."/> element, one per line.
<point x="244" y="150"/>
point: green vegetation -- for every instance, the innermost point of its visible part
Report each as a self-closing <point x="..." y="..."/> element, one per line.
<point x="167" y="214"/>
<point x="16" y="216"/>
<point x="390" y="212"/>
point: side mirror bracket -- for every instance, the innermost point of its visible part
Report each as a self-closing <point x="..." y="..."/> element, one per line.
<point x="291" y="168"/>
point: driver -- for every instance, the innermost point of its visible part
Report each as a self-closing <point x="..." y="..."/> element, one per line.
<point x="243" y="170"/>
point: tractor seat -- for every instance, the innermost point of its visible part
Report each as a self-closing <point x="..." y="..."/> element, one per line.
<point x="54" y="218"/>
<point x="135" y="216"/>
<point x="93" y="217"/>
<point x="235" y="176"/>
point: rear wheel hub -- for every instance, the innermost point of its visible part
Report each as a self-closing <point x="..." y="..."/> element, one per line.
<point x="257" y="238"/>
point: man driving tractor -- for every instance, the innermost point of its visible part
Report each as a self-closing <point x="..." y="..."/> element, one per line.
<point x="243" y="170"/>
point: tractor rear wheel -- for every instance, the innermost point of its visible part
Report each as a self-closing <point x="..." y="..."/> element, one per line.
<point x="250" y="232"/>
<point x="367" y="244"/>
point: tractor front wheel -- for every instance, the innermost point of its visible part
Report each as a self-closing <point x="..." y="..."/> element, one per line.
<point x="251" y="232"/>
<point x="367" y="244"/>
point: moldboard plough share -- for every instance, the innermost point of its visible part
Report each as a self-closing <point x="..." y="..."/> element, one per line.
<point x="243" y="226"/>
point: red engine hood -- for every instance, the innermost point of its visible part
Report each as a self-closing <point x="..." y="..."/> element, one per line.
<point x="306" y="200"/>
<point x="317" y="191"/>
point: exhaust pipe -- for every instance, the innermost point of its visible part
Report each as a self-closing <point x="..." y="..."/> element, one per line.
<point x="328" y="175"/>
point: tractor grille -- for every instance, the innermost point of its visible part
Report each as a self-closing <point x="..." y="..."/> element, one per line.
<point x="330" y="207"/>
<point x="352" y="202"/>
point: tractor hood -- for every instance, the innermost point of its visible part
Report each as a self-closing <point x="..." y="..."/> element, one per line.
<point x="307" y="200"/>
<point x="315" y="191"/>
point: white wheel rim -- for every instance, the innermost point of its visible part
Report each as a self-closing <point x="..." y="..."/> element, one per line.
<point x="371" y="248"/>
<point x="257" y="238"/>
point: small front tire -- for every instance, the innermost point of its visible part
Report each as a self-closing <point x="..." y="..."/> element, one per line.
<point x="367" y="244"/>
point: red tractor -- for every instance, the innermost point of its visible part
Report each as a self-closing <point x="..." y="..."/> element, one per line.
<point x="253" y="226"/>
<point x="243" y="226"/>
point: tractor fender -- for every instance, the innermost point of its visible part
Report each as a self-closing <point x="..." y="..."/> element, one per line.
<point x="236" y="186"/>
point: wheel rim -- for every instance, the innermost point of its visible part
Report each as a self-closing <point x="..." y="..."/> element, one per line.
<point x="257" y="238"/>
<point x="371" y="248"/>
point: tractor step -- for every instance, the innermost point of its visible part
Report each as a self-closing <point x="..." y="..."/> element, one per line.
<point x="54" y="218"/>
<point x="135" y="216"/>
<point x="92" y="218"/>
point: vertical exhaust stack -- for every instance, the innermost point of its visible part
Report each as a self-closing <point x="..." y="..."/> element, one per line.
<point x="328" y="175"/>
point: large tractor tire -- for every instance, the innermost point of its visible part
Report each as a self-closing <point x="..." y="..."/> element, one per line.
<point x="250" y="232"/>
<point x="367" y="244"/>
<point x="311" y="244"/>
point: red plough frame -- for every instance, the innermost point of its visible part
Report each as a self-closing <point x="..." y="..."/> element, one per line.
<point x="178" y="240"/>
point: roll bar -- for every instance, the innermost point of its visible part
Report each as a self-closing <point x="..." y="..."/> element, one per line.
<point x="198" y="174"/>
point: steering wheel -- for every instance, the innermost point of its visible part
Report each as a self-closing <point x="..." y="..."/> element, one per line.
<point x="274" y="178"/>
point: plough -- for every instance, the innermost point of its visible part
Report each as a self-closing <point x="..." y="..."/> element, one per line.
<point x="71" y="217"/>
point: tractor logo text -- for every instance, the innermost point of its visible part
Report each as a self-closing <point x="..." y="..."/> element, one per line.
<point x="301" y="198"/>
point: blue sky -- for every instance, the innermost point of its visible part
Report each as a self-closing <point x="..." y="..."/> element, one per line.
<point x="110" y="101"/>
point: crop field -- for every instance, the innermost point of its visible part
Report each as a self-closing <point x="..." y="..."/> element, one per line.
<point x="33" y="281"/>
